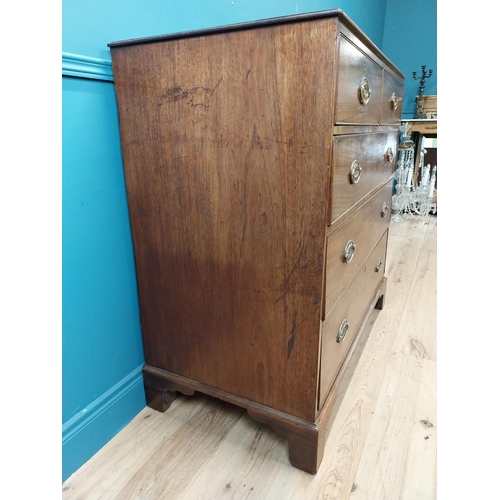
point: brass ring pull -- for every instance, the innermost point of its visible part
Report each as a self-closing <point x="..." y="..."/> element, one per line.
<point x="394" y="102"/>
<point x="378" y="265"/>
<point x="355" y="172"/>
<point x="364" y="91"/>
<point x="349" y="252"/>
<point x="385" y="209"/>
<point x="344" y="327"/>
<point x="389" y="154"/>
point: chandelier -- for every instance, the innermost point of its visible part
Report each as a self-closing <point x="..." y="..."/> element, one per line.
<point x="412" y="200"/>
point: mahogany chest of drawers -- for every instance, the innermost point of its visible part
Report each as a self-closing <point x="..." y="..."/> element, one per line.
<point x="259" y="160"/>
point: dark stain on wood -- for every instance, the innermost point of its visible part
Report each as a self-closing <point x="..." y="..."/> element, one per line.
<point x="291" y="340"/>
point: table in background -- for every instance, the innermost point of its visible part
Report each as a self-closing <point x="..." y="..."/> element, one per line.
<point x="418" y="130"/>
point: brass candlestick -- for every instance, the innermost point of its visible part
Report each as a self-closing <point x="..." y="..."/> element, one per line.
<point x="420" y="101"/>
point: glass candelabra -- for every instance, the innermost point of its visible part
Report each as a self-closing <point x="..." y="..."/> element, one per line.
<point x="410" y="200"/>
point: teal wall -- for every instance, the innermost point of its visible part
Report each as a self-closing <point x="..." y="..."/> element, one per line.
<point x="89" y="25"/>
<point x="102" y="350"/>
<point x="410" y="41"/>
<point x="101" y="330"/>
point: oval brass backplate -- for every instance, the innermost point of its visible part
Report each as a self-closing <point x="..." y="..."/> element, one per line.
<point x="349" y="251"/>
<point x="385" y="209"/>
<point x="364" y="91"/>
<point x="394" y="102"/>
<point x="343" y="329"/>
<point x="389" y="154"/>
<point x="355" y="172"/>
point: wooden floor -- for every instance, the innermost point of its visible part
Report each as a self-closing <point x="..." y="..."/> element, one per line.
<point x="381" y="442"/>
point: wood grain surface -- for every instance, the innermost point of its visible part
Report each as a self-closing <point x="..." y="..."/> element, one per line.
<point x="381" y="435"/>
<point x="227" y="169"/>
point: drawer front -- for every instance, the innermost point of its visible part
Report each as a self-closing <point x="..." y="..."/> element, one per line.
<point x="361" y="162"/>
<point x="392" y="100"/>
<point x="350" y="310"/>
<point x="363" y="229"/>
<point x="357" y="72"/>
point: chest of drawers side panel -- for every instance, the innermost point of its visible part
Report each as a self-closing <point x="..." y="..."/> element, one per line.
<point x="226" y="143"/>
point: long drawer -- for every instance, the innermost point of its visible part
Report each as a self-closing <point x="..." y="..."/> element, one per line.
<point x="341" y="326"/>
<point x="357" y="234"/>
<point x="359" y="86"/>
<point x="361" y="162"/>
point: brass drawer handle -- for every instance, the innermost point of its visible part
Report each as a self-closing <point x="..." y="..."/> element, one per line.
<point x="385" y="209"/>
<point x="364" y="91"/>
<point x="355" y="172"/>
<point x="344" y="327"/>
<point x="378" y="265"/>
<point x="389" y="154"/>
<point x="394" y="102"/>
<point x="349" y="251"/>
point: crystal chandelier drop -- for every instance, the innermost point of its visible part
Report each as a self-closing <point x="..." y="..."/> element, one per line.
<point x="410" y="200"/>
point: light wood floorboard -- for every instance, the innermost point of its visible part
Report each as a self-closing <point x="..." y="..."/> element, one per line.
<point x="381" y="442"/>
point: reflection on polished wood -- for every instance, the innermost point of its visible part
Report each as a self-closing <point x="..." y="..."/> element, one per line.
<point x="380" y="439"/>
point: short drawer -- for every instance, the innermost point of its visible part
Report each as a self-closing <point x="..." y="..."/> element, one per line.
<point x="357" y="234"/>
<point x="358" y="87"/>
<point x="361" y="162"/>
<point x="392" y="100"/>
<point x="341" y="326"/>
